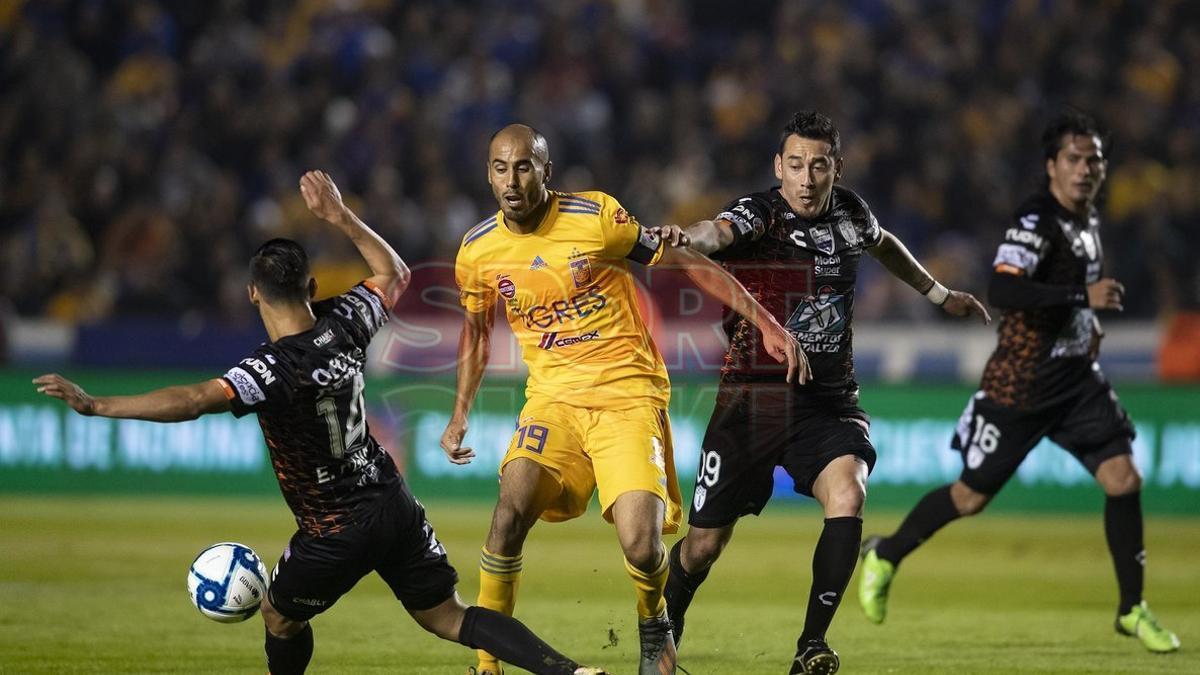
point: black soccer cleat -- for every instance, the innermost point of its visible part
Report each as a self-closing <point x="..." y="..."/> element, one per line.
<point x="814" y="657"/>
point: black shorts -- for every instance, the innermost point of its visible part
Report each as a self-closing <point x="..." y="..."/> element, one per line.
<point x="995" y="439"/>
<point x="396" y="541"/>
<point x="755" y="428"/>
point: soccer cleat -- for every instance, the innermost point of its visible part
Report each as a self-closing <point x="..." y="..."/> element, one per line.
<point x="486" y="671"/>
<point x="1140" y="623"/>
<point x="590" y="671"/>
<point x="814" y="657"/>
<point x="874" y="582"/>
<point x="658" y="646"/>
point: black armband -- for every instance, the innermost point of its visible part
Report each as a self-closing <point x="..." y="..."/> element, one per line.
<point x="1010" y="291"/>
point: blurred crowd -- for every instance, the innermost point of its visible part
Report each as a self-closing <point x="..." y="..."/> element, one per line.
<point x="147" y="147"/>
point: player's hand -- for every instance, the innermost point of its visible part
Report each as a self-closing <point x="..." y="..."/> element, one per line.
<point x="321" y="195"/>
<point x="959" y="303"/>
<point x="782" y="346"/>
<point x="60" y="387"/>
<point x="1106" y="294"/>
<point x="672" y="234"/>
<point x="452" y="442"/>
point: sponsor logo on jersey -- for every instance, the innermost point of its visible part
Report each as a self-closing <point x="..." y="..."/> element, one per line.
<point x="563" y="311"/>
<point x="1016" y="256"/>
<point x="1030" y="221"/>
<point x="827" y="265"/>
<point x="340" y="367"/>
<point x="846" y="228"/>
<point x="507" y="288"/>
<point x="822" y="238"/>
<point x="819" y="321"/>
<point x="245" y="386"/>
<point x="324" y="338"/>
<point x="581" y="269"/>
<point x="551" y="340"/>
<point x="261" y="368"/>
<point x="538" y="264"/>
<point x="1023" y="237"/>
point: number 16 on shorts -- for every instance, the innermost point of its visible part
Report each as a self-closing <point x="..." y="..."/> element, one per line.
<point x="984" y="441"/>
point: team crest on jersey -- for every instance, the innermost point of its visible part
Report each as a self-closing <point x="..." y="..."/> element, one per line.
<point x="822" y="238"/>
<point x="846" y="228"/>
<point x="581" y="269"/>
<point x="506" y="287"/>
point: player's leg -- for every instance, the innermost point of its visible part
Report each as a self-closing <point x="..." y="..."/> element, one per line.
<point x="634" y="466"/>
<point x="510" y="640"/>
<point x="289" y="643"/>
<point x="993" y="441"/>
<point x="1097" y="431"/>
<point x="311" y="575"/>
<point x="690" y="560"/>
<point x="526" y="490"/>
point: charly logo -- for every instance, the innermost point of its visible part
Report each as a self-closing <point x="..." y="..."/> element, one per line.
<point x="581" y="268"/>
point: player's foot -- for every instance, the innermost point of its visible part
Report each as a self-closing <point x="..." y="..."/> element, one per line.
<point x="1140" y="623"/>
<point x="814" y="657"/>
<point x="487" y="670"/>
<point x="658" y="646"/>
<point x="874" y="582"/>
<point x="590" y="671"/>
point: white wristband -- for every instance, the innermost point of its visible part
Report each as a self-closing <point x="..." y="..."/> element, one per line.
<point x="937" y="294"/>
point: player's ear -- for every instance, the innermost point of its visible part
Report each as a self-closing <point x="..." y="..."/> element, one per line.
<point x="1050" y="168"/>
<point x="779" y="166"/>
<point x="837" y="169"/>
<point x="548" y="170"/>
<point x="312" y="287"/>
<point x="253" y="293"/>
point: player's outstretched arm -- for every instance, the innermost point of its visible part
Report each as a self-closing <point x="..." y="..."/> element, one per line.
<point x="474" y="348"/>
<point x="170" y="404"/>
<point x="723" y="286"/>
<point x="896" y="257"/>
<point x="705" y="236"/>
<point x="323" y="198"/>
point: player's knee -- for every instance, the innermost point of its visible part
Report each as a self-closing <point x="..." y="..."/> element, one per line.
<point x="1123" y="482"/>
<point x="643" y="552"/>
<point x="846" y="502"/>
<point x="701" y="551"/>
<point x="444" y="621"/>
<point x="278" y="624"/>
<point x="967" y="501"/>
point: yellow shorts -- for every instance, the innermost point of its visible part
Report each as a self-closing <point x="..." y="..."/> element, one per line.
<point x="618" y="451"/>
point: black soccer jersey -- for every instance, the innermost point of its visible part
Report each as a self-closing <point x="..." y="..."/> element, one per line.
<point x="1043" y="352"/>
<point x="307" y="390"/>
<point x="803" y="272"/>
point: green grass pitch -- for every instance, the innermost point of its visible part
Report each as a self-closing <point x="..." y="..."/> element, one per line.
<point x="98" y="585"/>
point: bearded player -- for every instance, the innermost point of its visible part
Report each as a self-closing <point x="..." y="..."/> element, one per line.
<point x="595" y="415"/>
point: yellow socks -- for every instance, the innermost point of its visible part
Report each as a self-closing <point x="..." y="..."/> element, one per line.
<point x="499" y="578"/>
<point x="650" y="602"/>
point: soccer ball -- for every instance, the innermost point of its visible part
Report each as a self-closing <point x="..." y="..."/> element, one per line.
<point x="226" y="582"/>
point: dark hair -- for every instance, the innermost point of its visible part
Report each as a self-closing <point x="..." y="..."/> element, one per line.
<point x="279" y="270"/>
<point x="812" y="124"/>
<point x="1075" y="123"/>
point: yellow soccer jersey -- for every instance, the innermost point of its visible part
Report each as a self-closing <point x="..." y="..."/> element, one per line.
<point x="570" y="300"/>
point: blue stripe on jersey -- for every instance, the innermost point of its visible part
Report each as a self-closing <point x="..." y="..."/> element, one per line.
<point x="589" y="212"/>
<point x="479" y="233"/>
<point x="577" y="200"/>
<point x="476" y="226"/>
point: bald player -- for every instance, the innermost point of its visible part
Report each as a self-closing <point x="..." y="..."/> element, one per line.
<point x="596" y="399"/>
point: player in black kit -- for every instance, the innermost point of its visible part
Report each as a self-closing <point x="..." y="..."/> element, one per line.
<point x="353" y="510"/>
<point x="1043" y="380"/>
<point x="797" y="248"/>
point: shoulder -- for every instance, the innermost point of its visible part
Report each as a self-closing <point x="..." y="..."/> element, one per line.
<point x="1036" y="212"/>
<point x="479" y="231"/>
<point x="851" y="202"/>
<point x="587" y="203"/>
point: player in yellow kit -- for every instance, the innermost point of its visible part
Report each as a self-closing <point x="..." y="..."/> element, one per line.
<point x="596" y="399"/>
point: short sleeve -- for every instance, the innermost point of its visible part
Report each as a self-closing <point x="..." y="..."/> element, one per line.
<point x="258" y="382"/>
<point x="1023" y="247"/>
<point x="475" y="295"/>
<point x="749" y="217"/>
<point x="870" y="234"/>
<point x="362" y="310"/>
<point x="624" y="236"/>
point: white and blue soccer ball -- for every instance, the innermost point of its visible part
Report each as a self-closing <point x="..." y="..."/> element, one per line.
<point x="227" y="581"/>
